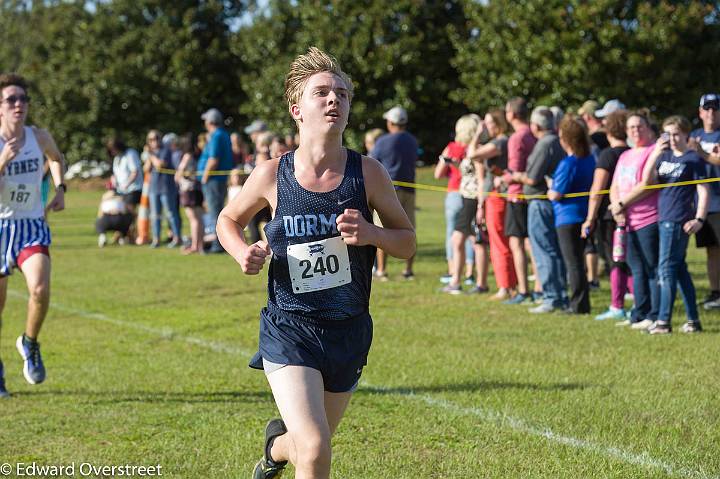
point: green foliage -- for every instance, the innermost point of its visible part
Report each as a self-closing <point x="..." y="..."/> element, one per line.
<point x="126" y="66"/>
<point x="559" y="52"/>
<point x="396" y="53"/>
<point x="122" y="67"/>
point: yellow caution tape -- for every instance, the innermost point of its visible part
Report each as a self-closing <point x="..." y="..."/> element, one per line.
<point x="442" y="189"/>
<point x="545" y="197"/>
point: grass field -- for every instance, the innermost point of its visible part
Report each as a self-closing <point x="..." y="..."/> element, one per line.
<point x="147" y="351"/>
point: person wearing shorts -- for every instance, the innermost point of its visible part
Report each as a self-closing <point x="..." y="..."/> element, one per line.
<point x="706" y="140"/>
<point x="316" y="330"/>
<point x="24" y="234"/>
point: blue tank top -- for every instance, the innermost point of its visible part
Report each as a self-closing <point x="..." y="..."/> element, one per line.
<point x="303" y="216"/>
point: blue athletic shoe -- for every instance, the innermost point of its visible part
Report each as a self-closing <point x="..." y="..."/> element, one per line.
<point x="33" y="368"/>
<point x="618" y="314"/>
<point x="518" y="299"/>
<point x="3" y="392"/>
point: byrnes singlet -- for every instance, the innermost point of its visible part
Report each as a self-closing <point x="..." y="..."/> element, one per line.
<point x="312" y="272"/>
<point x="20" y="181"/>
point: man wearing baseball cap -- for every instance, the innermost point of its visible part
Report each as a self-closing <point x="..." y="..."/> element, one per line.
<point x="216" y="156"/>
<point x="609" y="107"/>
<point x="588" y="112"/>
<point x="397" y="151"/>
<point x="707" y="139"/>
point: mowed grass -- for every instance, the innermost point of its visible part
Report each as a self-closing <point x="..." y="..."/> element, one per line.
<point x="147" y="351"/>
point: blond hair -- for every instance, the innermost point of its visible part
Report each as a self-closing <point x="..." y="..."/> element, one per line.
<point x="305" y="66"/>
<point x="679" y="121"/>
<point x="465" y="128"/>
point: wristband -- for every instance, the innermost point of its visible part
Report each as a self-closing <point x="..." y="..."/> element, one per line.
<point x="61" y="186"/>
<point x="701" y="220"/>
<point x="621" y="204"/>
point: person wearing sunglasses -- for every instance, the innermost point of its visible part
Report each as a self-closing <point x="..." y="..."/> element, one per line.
<point x="705" y="140"/>
<point x="24" y="234"/>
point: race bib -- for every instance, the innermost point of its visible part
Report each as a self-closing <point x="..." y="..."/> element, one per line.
<point x="318" y="265"/>
<point x="20" y="196"/>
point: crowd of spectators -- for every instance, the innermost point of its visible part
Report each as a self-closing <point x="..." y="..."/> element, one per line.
<point x="542" y="193"/>
<point x="517" y="199"/>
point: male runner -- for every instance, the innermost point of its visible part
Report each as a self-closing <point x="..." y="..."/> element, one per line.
<point x="24" y="234"/>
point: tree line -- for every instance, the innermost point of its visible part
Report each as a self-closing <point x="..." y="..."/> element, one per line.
<point x="124" y="66"/>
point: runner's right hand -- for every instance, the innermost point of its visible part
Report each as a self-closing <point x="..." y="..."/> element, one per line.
<point x="253" y="259"/>
<point x="9" y="151"/>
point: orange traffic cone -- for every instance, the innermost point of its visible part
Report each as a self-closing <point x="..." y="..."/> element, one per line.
<point x="143" y="217"/>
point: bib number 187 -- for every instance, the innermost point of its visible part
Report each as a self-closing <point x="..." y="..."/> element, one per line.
<point x="324" y="264"/>
<point x="20" y="196"/>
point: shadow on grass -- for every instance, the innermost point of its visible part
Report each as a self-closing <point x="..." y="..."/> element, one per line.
<point x="116" y="397"/>
<point x="471" y="387"/>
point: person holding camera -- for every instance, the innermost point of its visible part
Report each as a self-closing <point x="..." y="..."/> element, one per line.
<point x="492" y="207"/>
<point x="471" y="174"/>
<point x="448" y="166"/>
<point x="679" y="216"/>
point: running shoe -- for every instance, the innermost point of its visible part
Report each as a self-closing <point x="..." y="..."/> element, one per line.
<point x="446" y="278"/>
<point x="594" y="285"/>
<point x="711" y="304"/>
<point x="691" y="327"/>
<point x="618" y="314"/>
<point x="469" y="280"/>
<point x="537" y="297"/>
<point x="542" y="309"/>
<point x="643" y="325"/>
<point x="478" y="290"/>
<point x="408" y="275"/>
<point x="450" y="289"/>
<point x="3" y="392"/>
<point x="33" y="368"/>
<point x="659" y="328"/>
<point x="266" y="468"/>
<point x="712" y="297"/>
<point x="102" y="240"/>
<point x="517" y="299"/>
<point x="381" y="276"/>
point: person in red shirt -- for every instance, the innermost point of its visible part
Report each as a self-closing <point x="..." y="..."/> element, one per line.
<point x="448" y="166"/>
<point x="520" y="145"/>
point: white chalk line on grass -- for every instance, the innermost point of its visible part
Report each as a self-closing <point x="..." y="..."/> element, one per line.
<point x="165" y="333"/>
<point x="486" y="415"/>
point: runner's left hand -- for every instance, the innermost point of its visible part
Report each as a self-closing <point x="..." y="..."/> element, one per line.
<point x="58" y="202"/>
<point x="354" y="229"/>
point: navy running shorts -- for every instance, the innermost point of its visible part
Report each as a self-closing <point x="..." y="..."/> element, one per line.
<point x="337" y="348"/>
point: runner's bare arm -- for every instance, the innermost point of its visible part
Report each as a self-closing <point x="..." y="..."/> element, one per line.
<point x="259" y="191"/>
<point x="397" y="236"/>
<point x="57" y="166"/>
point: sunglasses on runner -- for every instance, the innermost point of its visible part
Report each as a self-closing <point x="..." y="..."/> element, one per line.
<point x="11" y="100"/>
<point x="711" y="105"/>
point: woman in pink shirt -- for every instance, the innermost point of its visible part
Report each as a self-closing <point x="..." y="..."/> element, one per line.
<point x="635" y="207"/>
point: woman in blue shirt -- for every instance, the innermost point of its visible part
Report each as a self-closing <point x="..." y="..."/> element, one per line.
<point x="680" y="214"/>
<point x="573" y="174"/>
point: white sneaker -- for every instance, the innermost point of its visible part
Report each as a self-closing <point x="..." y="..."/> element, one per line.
<point x="543" y="308"/>
<point x="102" y="240"/>
<point x="625" y="322"/>
<point x="644" y="324"/>
<point x="715" y="304"/>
